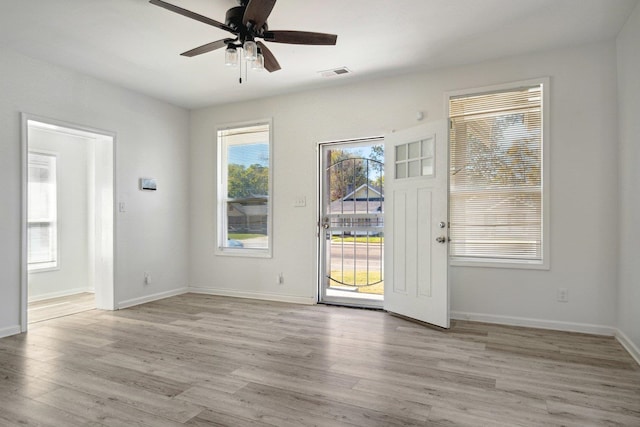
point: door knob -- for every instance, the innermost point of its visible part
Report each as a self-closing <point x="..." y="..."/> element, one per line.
<point x="441" y="239"/>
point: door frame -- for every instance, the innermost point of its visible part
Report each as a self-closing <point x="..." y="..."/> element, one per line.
<point x="353" y="302"/>
<point x="24" y="292"/>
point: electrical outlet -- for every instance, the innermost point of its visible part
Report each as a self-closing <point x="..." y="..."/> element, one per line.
<point x="147" y="278"/>
<point x="563" y="295"/>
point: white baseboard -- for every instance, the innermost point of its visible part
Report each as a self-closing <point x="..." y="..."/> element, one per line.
<point x="11" y="330"/>
<point x="584" y="328"/>
<point x="59" y="294"/>
<point x="150" y="298"/>
<point x="254" y="295"/>
<point x="628" y="345"/>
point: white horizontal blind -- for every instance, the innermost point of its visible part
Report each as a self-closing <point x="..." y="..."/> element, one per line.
<point x="496" y="175"/>
<point x="42" y="212"/>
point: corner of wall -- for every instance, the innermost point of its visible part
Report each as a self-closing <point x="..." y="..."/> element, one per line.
<point x="628" y="345"/>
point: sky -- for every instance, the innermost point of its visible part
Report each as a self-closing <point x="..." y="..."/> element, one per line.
<point x="249" y="154"/>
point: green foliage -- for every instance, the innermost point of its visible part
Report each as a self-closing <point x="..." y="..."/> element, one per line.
<point x="349" y="171"/>
<point x="247" y="181"/>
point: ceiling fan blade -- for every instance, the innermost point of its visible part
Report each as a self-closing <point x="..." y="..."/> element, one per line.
<point x="206" y="48"/>
<point x="258" y="11"/>
<point x="270" y="61"/>
<point x="300" y="37"/>
<point x="192" y="15"/>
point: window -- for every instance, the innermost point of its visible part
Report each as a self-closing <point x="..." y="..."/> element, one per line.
<point x="42" y="227"/>
<point x="414" y="159"/>
<point x="496" y="177"/>
<point x="244" y="190"/>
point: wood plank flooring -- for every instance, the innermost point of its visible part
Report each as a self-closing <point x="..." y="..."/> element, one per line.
<point x="200" y="360"/>
<point x="52" y="308"/>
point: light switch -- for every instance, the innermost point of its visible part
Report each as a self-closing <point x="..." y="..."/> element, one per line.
<point x="122" y="207"/>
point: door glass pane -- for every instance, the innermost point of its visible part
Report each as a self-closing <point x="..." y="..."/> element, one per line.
<point x="401" y="152"/>
<point x="427" y="167"/>
<point x="414" y="168"/>
<point x="414" y="150"/>
<point x="351" y="232"/>
<point x="427" y="147"/>
<point x="401" y="170"/>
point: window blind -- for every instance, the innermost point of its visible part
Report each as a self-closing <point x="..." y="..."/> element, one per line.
<point x="496" y="175"/>
<point x="42" y="211"/>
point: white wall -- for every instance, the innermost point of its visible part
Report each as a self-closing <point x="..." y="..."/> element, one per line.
<point x="152" y="141"/>
<point x="628" y="44"/>
<point x="583" y="185"/>
<point x="72" y="274"/>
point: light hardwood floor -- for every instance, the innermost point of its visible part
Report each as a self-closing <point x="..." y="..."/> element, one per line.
<point x="205" y="360"/>
<point x="39" y="311"/>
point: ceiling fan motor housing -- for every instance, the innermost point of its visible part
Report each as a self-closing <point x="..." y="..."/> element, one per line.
<point x="233" y="19"/>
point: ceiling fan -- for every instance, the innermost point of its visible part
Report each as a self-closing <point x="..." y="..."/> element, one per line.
<point x="248" y="22"/>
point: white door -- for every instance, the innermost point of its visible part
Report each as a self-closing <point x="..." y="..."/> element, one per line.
<point x="416" y="224"/>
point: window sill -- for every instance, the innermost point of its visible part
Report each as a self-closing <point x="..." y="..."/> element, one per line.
<point x="43" y="268"/>
<point x="244" y="253"/>
<point x="495" y="263"/>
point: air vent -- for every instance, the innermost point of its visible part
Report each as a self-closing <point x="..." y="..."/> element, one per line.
<point x="335" y="72"/>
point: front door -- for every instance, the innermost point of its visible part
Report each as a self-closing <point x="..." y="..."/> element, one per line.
<point x="416" y="226"/>
<point x="351" y="221"/>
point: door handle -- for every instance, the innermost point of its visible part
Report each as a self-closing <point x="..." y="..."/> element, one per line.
<point x="441" y="239"/>
<point x="325" y="226"/>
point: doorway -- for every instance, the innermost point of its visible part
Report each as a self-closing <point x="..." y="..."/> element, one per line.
<point x="351" y="237"/>
<point x="67" y="219"/>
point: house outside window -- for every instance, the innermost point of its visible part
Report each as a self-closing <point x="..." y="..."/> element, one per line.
<point x="42" y="227"/>
<point x="245" y="190"/>
<point x="498" y="186"/>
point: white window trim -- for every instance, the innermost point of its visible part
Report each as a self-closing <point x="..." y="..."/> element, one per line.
<point x="545" y="263"/>
<point x="221" y="178"/>
<point x="55" y="265"/>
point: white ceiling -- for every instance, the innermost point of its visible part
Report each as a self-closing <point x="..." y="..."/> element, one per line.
<point x="136" y="45"/>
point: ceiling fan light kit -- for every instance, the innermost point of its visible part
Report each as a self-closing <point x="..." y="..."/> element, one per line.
<point x="248" y="22"/>
<point x="250" y="50"/>
<point x="231" y="56"/>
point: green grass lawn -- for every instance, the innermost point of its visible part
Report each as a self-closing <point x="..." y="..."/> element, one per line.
<point x="243" y="236"/>
<point x="359" y="280"/>
<point x="358" y="239"/>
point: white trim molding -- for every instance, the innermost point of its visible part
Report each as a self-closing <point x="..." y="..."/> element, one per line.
<point x="10" y="330"/>
<point x="59" y="294"/>
<point x="254" y="295"/>
<point x="628" y="345"/>
<point x="556" y="325"/>
<point x="149" y="298"/>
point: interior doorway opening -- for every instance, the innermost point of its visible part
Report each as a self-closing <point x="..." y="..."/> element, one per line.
<point x="351" y="237"/>
<point x="67" y="220"/>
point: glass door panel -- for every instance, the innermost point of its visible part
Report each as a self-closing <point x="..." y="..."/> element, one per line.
<point x="351" y="223"/>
